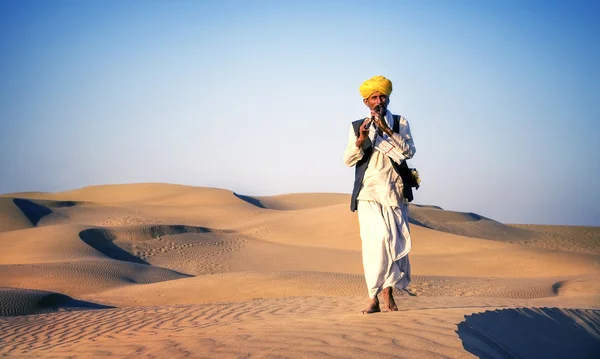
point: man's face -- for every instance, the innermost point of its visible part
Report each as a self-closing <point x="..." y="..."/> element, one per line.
<point x="375" y="99"/>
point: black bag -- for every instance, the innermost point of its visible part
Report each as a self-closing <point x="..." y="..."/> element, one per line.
<point x="409" y="179"/>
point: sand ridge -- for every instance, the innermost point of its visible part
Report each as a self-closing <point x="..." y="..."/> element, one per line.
<point x="207" y="272"/>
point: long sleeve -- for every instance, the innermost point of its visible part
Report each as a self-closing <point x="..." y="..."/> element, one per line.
<point x="399" y="146"/>
<point x="352" y="154"/>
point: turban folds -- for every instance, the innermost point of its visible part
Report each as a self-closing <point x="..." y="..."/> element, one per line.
<point x="376" y="83"/>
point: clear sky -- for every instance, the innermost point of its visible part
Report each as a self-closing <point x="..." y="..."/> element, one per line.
<point x="503" y="97"/>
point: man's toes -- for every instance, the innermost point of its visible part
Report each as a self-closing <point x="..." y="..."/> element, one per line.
<point x="370" y="311"/>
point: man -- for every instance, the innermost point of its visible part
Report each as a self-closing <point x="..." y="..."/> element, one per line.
<point x="377" y="151"/>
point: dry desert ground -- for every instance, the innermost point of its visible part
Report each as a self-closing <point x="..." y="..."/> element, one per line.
<point x="170" y="271"/>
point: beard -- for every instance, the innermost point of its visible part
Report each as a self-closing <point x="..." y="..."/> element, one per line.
<point x="380" y="109"/>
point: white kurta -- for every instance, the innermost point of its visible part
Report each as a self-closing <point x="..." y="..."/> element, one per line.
<point x="382" y="210"/>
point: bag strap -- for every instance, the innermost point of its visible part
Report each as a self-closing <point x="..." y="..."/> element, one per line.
<point x="396" y="126"/>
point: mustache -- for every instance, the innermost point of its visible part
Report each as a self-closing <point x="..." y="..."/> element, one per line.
<point x="380" y="109"/>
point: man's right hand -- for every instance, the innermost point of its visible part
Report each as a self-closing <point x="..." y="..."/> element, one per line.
<point x="364" y="132"/>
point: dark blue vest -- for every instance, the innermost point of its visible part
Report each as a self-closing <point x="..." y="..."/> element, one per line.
<point x="361" y="166"/>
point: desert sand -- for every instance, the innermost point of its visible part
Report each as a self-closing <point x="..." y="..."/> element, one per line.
<point x="170" y="271"/>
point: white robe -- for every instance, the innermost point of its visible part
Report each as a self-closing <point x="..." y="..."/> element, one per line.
<point x="382" y="211"/>
<point x="385" y="245"/>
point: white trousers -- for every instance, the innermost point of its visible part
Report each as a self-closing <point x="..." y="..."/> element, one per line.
<point x="385" y="245"/>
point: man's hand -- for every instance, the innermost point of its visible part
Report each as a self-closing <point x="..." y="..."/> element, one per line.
<point x="380" y="123"/>
<point x="363" y="132"/>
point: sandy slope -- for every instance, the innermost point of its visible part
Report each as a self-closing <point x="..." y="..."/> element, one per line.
<point x="159" y="270"/>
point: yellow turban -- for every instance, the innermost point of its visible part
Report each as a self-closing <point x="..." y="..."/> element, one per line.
<point x="377" y="83"/>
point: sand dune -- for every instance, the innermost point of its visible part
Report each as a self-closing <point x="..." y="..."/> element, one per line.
<point x="177" y="271"/>
<point x="26" y="301"/>
<point x="297" y="200"/>
<point x="466" y="224"/>
<point x="12" y="217"/>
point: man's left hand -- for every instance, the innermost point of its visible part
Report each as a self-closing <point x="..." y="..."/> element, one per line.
<point x="383" y="125"/>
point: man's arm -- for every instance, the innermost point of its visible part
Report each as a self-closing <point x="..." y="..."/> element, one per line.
<point x="354" y="150"/>
<point x="397" y="146"/>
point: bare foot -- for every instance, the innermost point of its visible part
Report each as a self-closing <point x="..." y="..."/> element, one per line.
<point x="373" y="306"/>
<point x="389" y="304"/>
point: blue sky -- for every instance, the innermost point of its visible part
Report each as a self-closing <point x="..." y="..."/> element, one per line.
<point x="503" y="97"/>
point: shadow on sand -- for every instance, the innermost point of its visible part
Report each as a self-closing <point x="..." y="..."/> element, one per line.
<point x="16" y="301"/>
<point x="251" y="200"/>
<point x="102" y="241"/>
<point x="33" y="211"/>
<point x="532" y="333"/>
